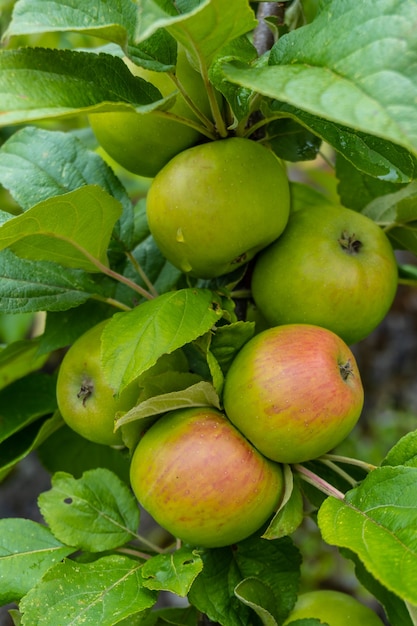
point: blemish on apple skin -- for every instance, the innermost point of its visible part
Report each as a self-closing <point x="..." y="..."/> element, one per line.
<point x="239" y="259"/>
<point x="180" y="236"/>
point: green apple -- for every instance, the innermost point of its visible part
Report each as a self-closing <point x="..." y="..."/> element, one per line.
<point x="333" y="608"/>
<point x="86" y="401"/>
<point x="143" y="143"/>
<point x="294" y="391"/>
<point x="332" y="267"/>
<point x="214" y="206"/>
<point x="201" y="480"/>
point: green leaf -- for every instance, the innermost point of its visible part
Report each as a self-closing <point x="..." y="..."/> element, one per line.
<point x="64" y="83"/>
<point x="404" y="452"/>
<point x="201" y="393"/>
<point x="397" y="212"/>
<point x="276" y="564"/>
<point x="24" y="401"/>
<point x="203" y="31"/>
<point x="394" y="607"/>
<point x="154" y="328"/>
<point x="290" y="513"/>
<point x="187" y="616"/>
<point x="28" y="287"/>
<point x="73" y="229"/>
<point x="37" y="164"/>
<point x="103" y="592"/>
<point x="68" y="452"/>
<point x="292" y="142"/>
<point x="22" y="443"/>
<point x="371" y="155"/>
<point x="111" y="21"/>
<point x="342" y="79"/>
<point x="27" y="551"/>
<point x="228" y="340"/>
<point x="255" y="594"/>
<point x="96" y="512"/>
<point x="239" y="98"/>
<point x="19" y="359"/>
<point x="173" y="572"/>
<point x="377" y="521"/>
<point x="357" y="189"/>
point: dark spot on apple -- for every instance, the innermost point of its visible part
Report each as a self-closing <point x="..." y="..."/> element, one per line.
<point x="86" y="390"/>
<point x="346" y="370"/>
<point x="349" y="243"/>
<point x="239" y="259"/>
<point x="68" y="501"/>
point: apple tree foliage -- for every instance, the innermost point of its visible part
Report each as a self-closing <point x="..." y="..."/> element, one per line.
<point x="75" y="247"/>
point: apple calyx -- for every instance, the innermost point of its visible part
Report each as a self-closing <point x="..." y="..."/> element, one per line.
<point x="346" y="370"/>
<point x="349" y="243"/>
<point x="86" y="390"/>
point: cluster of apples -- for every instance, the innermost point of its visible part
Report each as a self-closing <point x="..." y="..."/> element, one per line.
<point x="323" y="278"/>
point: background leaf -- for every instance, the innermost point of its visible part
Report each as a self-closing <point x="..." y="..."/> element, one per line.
<point x="64" y="83"/>
<point x="73" y="229"/>
<point x="19" y="359"/>
<point x="110" y="21"/>
<point x="27" y="551"/>
<point x="28" y="286"/>
<point x="397" y="212"/>
<point x="102" y="592"/>
<point x="154" y="328"/>
<point x="68" y="452"/>
<point x="377" y="521"/>
<point x="96" y="512"/>
<point x="24" y="401"/>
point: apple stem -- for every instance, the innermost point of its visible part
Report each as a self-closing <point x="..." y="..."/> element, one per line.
<point x="337" y="458"/>
<point x="142" y="274"/>
<point x="210" y="134"/>
<point x="132" y="552"/>
<point x="112" y="302"/>
<point x="203" y="118"/>
<point x="338" y="470"/>
<point x="318" y="482"/>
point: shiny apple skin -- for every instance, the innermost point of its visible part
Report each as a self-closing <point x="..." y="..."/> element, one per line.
<point x="289" y="392"/>
<point x="334" y="608"/>
<point x="202" y="481"/>
<point x="312" y="275"/>
<point x="216" y="205"/>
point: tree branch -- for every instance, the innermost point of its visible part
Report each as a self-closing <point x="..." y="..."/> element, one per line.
<point x="263" y="37"/>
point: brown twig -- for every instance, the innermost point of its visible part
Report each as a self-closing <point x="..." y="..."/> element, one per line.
<point x="263" y="37"/>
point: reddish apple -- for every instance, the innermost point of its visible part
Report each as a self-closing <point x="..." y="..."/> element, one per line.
<point x="294" y="391"/>
<point x="201" y="480"/>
